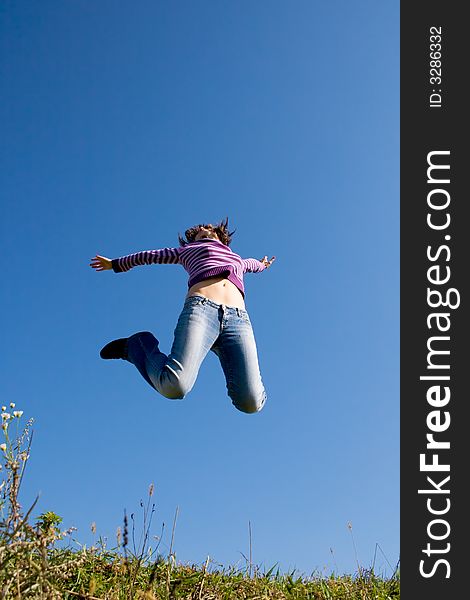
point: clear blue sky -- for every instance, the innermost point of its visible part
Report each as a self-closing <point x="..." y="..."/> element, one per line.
<point x="124" y="123"/>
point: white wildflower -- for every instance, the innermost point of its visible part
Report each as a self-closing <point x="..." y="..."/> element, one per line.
<point x="17" y="413"/>
<point x="3" y="447"/>
<point x="12" y="405"/>
<point x="6" y="416"/>
<point x="4" y="408"/>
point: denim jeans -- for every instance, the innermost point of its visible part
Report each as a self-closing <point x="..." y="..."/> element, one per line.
<point x="203" y="325"/>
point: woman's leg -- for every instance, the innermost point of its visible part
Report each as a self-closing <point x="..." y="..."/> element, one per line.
<point x="174" y="375"/>
<point x="236" y="349"/>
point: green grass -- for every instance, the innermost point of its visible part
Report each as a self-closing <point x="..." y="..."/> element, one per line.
<point x="107" y="575"/>
<point x="34" y="562"/>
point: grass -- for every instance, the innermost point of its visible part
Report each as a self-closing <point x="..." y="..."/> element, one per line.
<point x="36" y="562"/>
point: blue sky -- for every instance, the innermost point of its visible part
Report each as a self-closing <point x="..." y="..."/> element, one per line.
<point x="124" y="123"/>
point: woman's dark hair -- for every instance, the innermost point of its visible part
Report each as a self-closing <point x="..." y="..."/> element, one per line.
<point x="221" y="229"/>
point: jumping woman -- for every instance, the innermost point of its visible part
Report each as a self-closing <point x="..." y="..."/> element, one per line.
<point x="213" y="318"/>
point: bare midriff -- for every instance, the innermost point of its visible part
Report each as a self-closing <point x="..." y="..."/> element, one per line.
<point x="220" y="290"/>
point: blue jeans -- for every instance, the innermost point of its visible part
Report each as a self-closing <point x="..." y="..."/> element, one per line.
<point x="203" y="325"/>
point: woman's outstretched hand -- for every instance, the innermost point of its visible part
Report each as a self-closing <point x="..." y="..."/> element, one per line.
<point x="101" y="263"/>
<point x="267" y="263"/>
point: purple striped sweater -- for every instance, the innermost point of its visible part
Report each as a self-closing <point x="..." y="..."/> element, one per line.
<point x="202" y="259"/>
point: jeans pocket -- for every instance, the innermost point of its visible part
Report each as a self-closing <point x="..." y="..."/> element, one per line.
<point x="194" y="301"/>
<point x="194" y="305"/>
<point x="244" y="316"/>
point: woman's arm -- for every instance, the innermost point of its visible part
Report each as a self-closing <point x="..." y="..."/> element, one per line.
<point x="146" y="257"/>
<point x="252" y="265"/>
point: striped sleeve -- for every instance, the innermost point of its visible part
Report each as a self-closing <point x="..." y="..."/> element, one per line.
<point x="253" y="265"/>
<point x="164" y="256"/>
